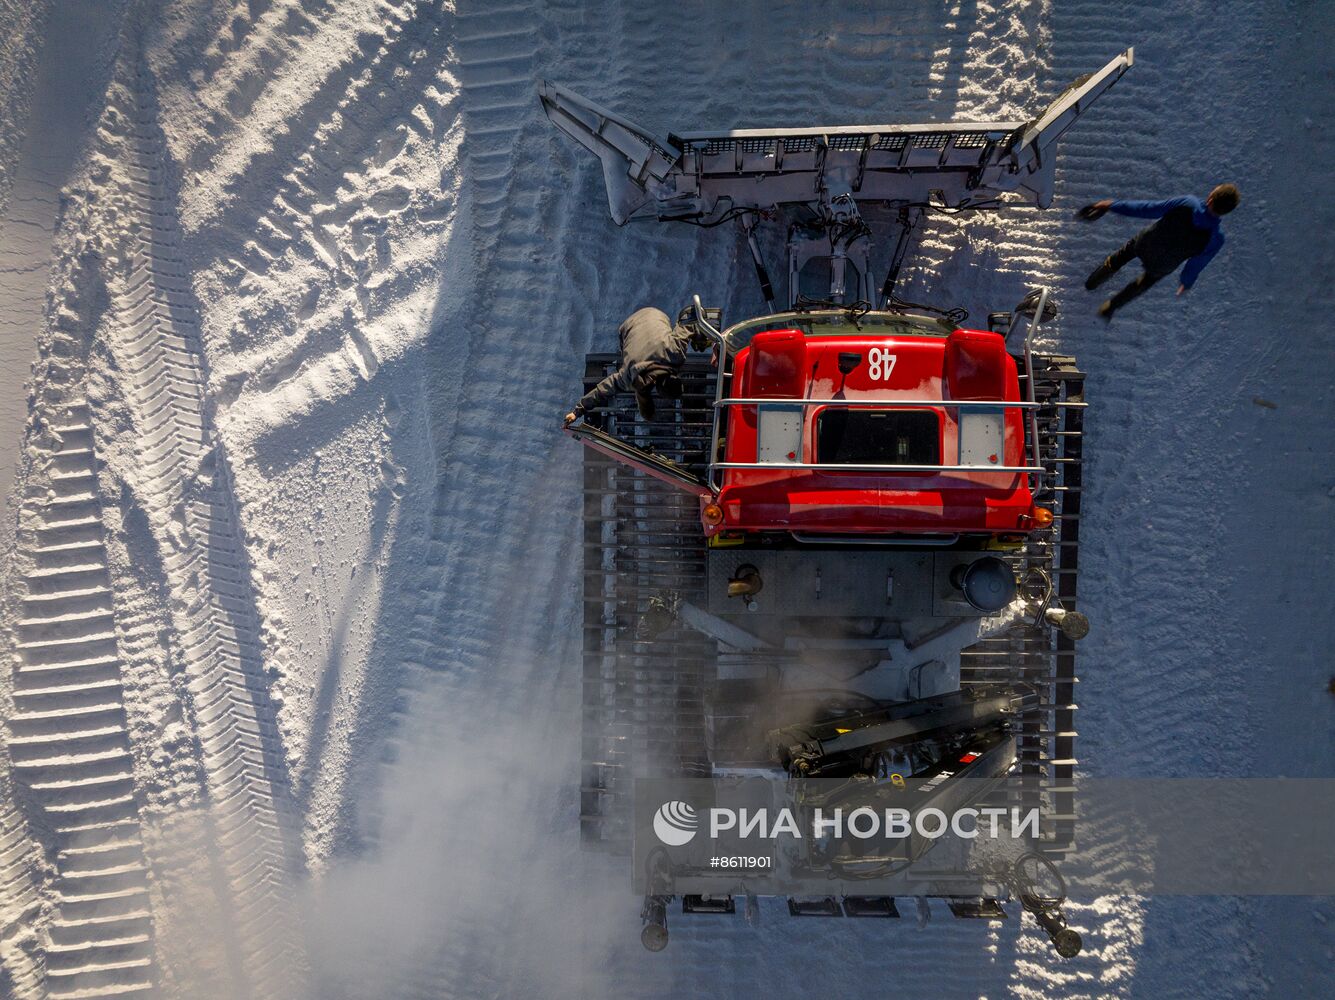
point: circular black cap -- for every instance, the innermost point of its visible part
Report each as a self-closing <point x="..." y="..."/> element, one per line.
<point x="988" y="583"/>
<point x="1075" y="625"/>
<point x="655" y="937"/>
<point x="1067" y="942"/>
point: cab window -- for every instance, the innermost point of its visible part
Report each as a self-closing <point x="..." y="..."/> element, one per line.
<point x="877" y="437"/>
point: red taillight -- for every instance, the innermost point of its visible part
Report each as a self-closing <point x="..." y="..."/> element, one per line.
<point x="976" y="365"/>
<point x="776" y="367"/>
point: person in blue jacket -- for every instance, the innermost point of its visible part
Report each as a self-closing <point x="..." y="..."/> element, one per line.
<point x="1187" y="231"/>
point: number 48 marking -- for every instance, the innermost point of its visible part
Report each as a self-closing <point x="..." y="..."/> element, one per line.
<point x="882" y="364"/>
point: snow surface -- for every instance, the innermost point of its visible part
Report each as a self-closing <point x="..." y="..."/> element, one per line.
<point x="322" y="280"/>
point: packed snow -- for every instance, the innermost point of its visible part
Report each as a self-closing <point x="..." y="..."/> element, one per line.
<point x="294" y="295"/>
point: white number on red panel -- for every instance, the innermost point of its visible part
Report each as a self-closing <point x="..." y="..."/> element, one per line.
<point x="882" y="364"/>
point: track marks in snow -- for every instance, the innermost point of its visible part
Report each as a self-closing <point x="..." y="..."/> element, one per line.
<point x="1165" y="454"/>
<point x="496" y="50"/>
<point x="182" y="481"/>
<point x="318" y="284"/>
<point x="264" y="84"/>
<point x="483" y="637"/>
<point x="67" y="736"/>
<point x="20" y="901"/>
<point x="348" y="217"/>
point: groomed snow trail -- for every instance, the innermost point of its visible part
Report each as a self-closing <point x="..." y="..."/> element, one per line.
<point x="87" y="762"/>
<point x="303" y="538"/>
<point x="86" y="920"/>
<point x="183" y="483"/>
<point x="25" y="222"/>
<point x="68" y="741"/>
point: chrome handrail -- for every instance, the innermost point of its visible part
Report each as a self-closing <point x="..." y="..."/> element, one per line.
<point x="719" y="373"/>
<point x="1031" y="404"/>
<point x="842" y="467"/>
<point x="708" y="328"/>
<point x="1034" y="324"/>
<point x="881" y="404"/>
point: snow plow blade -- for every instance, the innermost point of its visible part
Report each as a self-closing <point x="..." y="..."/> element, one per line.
<point x="636" y="166"/>
<point x="701" y="177"/>
<point x="1031" y="155"/>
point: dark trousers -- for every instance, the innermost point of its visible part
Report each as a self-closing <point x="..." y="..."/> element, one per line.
<point x="1119" y="259"/>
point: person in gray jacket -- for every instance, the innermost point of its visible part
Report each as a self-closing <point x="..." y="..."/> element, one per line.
<point x="653" y="350"/>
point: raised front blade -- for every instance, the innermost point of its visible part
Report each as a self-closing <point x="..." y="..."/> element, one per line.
<point x="637" y="458"/>
<point x="1033" y="151"/>
<point x="703" y="176"/>
<point x="635" y="165"/>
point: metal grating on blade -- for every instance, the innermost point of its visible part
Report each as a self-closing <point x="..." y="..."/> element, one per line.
<point x="971" y="140"/>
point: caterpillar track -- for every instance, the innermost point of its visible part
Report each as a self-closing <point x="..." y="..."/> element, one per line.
<point x="643" y="701"/>
<point x="1037" y="661"/>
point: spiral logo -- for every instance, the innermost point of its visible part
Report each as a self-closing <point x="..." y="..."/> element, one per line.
<point x="675" y="823"/>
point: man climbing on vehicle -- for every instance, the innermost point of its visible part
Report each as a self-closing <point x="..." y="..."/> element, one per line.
<point x="653" y="351"/>
<point x="1187" y="230"/>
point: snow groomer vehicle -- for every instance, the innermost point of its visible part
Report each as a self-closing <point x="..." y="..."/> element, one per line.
<point x="851" y="550"/>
